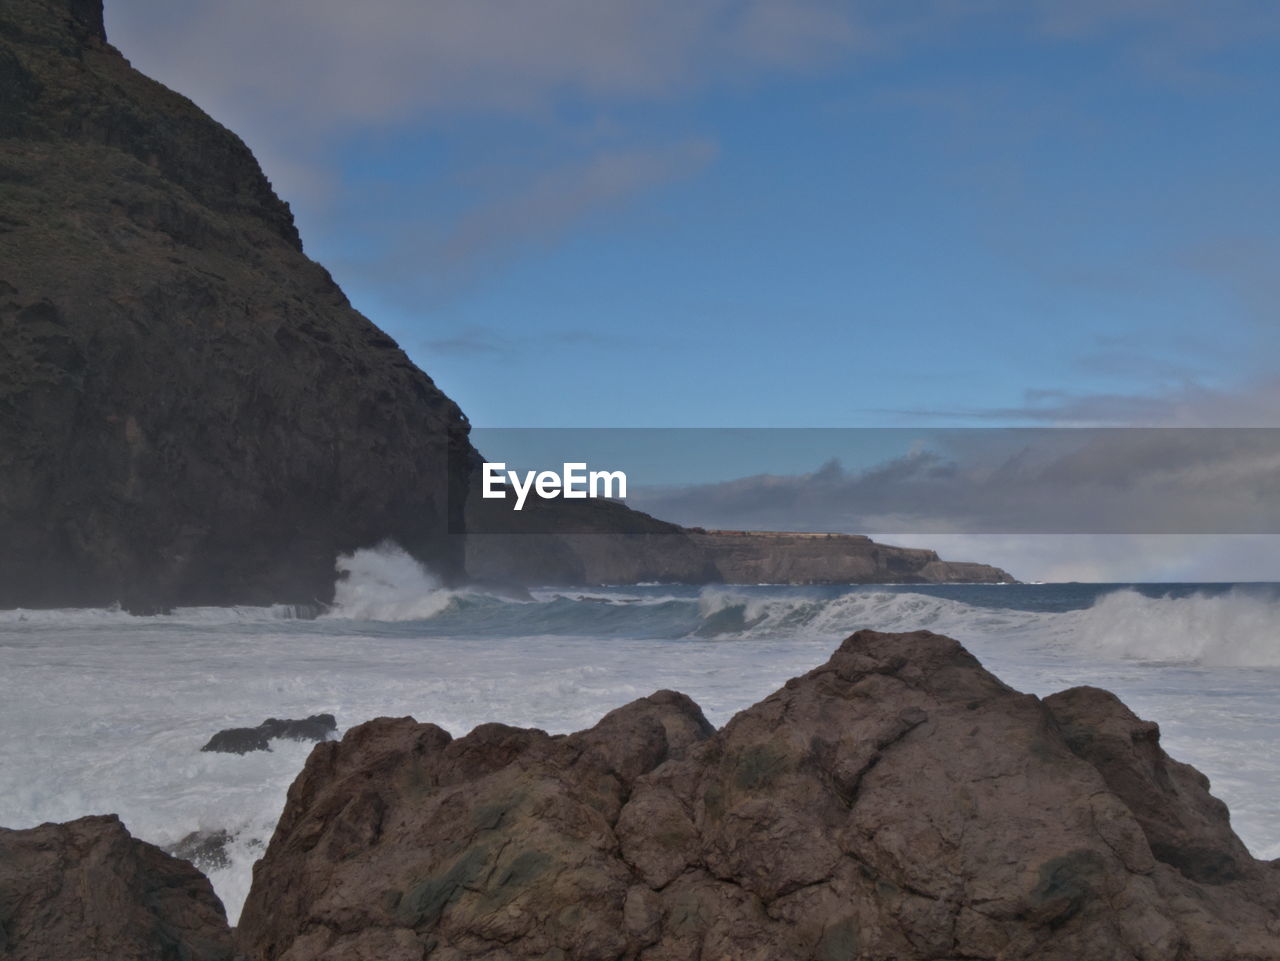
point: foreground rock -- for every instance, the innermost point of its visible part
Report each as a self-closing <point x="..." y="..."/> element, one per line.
<point x="242" y="740"/>
<point x="898" y="802"/>
<point x="86" y="889"/>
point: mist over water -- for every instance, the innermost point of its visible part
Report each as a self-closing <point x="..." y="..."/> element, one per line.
<point x="104" y="712"/>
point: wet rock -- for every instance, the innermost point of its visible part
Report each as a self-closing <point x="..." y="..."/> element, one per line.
<point x="242" y="740"/>
<point x="898" y="802"/>
<point x="86" y="889"/>
<point x="207" y="850"/>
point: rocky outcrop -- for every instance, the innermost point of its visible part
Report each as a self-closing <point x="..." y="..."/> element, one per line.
<point x="242" y="740"/>
<point x="86" y="889"/>
<point x="670" y="554"/>
<point x="898" y="802"/>
<point x="191" y="412"/>
<point x="768" y="557"/>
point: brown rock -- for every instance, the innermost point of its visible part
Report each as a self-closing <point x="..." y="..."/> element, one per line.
<point x="899" y="802"/>
<point x="1184" y="824"/>
<point x="86" y="890"/>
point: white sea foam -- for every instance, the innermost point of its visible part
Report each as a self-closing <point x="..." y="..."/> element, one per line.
<point x="100" y="711"/>
<point x="1233" y="629"/>
<point x="384" y="583"/>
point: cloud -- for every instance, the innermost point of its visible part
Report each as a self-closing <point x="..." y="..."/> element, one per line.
<point x="1118" y="481"/>
<point x="487" y="341"/>
<point x="546" y="204"/>
<point x="324" y="64"/>
<point x="1113" y="558"/>
<point x="1190" y="404"/>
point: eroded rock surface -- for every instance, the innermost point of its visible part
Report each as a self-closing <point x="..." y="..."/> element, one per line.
<point x="898" y="802"/>
<point x="87" y="890"/>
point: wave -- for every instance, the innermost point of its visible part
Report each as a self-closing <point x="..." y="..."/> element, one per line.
<point x="1233" y="628"/>
<point x="187" y="616"/>
<point x="725" y="612"/>
<point x="385" y="583"/>
<point x="1237" y="628"/>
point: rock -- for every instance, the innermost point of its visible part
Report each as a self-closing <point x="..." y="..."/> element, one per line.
<point x="242" y="740"/>
<point x="191" y="412"/>
<point x="586" y="543"/>
<point x="86" y="889"/>
<point x="898" y="802"/>
<point x="207" y="850"/>
<point x="1185" y="825"/>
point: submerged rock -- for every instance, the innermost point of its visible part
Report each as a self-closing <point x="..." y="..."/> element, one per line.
<point x="242" y="740"/>
<point x="898" y="802"/>
<point x="86" y="889"/>
<point x="207" y="850"/>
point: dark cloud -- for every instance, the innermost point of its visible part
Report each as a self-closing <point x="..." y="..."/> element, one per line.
<point x="1190" y="404"/>
<point x="1126" y="481"/>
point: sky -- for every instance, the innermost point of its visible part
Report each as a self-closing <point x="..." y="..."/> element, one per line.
<point x="758" y="213"/>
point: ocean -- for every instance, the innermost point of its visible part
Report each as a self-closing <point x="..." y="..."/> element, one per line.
<point x="101" y="711"/>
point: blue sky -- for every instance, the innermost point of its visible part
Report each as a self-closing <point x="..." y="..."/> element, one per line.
<point x="788" y="213"/>
<point x="714" y="213"/>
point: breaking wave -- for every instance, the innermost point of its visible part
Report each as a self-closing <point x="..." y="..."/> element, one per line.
<point x="1237" y="628"/>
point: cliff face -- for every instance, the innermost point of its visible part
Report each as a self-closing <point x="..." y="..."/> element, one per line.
<point x="190" y="410"/>
<point x="896" y="802"/>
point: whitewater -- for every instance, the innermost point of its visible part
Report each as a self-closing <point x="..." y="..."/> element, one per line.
<point x="103" y="712"/>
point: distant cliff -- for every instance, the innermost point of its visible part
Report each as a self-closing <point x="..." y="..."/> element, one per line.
<point x="190" y="410"/>
<point x="766" y="557"/>
<point x="606" y="543"/>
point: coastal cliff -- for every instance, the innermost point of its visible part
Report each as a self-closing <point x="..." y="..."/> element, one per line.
<point x="605" y="543"/>
<point x="192" y="413"/>
<point x="190" y="410"/>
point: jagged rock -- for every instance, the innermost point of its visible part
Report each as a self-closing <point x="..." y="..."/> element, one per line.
<point x="191" y="412"/>
<point x="898" y="802"/>
<point x="1185" y="825"/>
<point x="242" y="740"/>
<point x="86" y="889"/>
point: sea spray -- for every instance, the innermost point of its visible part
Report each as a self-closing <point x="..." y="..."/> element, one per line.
<point x="384" y="583"/>
<point x="103" y="711"/>
<point x="1239" y="628"/>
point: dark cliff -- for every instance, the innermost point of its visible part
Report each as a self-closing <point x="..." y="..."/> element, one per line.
<point x="190" y="410"/>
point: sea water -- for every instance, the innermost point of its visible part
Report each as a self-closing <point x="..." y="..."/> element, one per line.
<point x="104" y="712"/>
